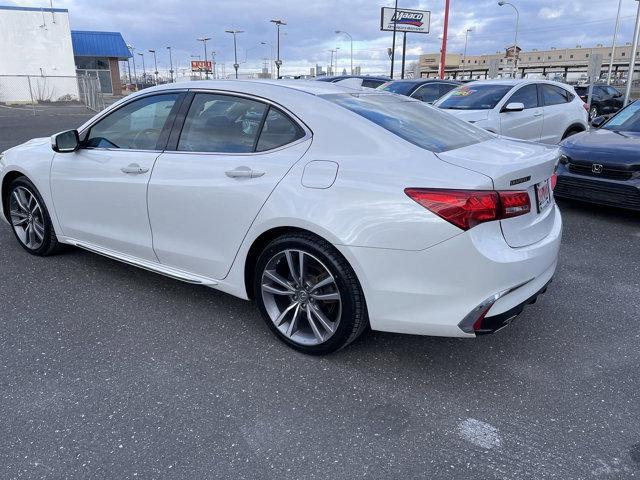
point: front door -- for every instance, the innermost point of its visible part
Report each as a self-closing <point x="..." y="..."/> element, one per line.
<point x="527" y="124"/>
<point x="100" y="191"/>
<point x="204" y="195"/>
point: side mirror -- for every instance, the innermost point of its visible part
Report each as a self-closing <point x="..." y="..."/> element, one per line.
<point x="513" y="107"/>
<point x="65" y="142"/>
<point x="598" y="121"/>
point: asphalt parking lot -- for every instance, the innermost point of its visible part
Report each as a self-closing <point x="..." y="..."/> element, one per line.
<point x="108" y="371"/>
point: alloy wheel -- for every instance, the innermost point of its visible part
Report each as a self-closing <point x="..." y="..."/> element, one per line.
<point x="593" y="113"/>
<point x="27" y="218"/>
<point x="301" y="297"/>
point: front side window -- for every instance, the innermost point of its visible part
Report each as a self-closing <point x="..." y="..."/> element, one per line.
<point x="554" y="95"/>
<point x="221" y="123"/>
<point x="527" y="95"/>
<point x="413" y="121"/>
<point x="474" y="97"/>
<point x="137" y="125"/>
<point x="429" y="92"/>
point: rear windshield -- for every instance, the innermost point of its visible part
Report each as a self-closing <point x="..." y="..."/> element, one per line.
<point x="413" y="120"/>
<point x="582" y="91"/>
<point x="627" y="120"/>
<point x="474" y="97"/>
<point x="401" y="88"/>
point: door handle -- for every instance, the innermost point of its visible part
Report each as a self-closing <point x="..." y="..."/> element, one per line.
<point x="537" y="114"/>
<point x="134" y="168"/>
<point x="243" y="172"/>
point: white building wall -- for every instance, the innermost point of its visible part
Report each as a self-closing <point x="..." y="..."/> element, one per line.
<point x="37" y="56"/>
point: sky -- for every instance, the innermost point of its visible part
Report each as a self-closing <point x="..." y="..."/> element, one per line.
<point x="309" y="35"/>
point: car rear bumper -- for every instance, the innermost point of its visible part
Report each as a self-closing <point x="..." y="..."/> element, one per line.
<point x="623" y="193"/>
<point x="431" y="292"/>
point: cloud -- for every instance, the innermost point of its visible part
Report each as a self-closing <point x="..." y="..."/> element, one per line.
<point x="309" y="34"/>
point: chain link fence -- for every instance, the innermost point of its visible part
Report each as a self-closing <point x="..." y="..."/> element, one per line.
<point x="31" y="91"/>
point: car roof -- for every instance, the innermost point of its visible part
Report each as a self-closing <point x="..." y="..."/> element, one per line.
<point x="423" y="80"/>
<point x="518" y="81"/>
<point x="332" y="78"/>
<point x="253" y="86"/>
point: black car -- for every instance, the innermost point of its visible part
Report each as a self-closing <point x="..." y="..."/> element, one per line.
<point x="367" y="81"/>
<point x="606" y="100"/>
<point x="425" y="89"/>
<point x="603" y="165"/>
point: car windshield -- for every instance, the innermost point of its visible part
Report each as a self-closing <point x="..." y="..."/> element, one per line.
<point x="474" y="97"/>
<point x="412" y="120"/>
<point x="401" y="88"/>
<point x="627" y="120"/>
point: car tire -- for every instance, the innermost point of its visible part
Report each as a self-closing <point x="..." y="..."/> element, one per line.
<point x="593" y="113"/>
<point x="572" y="131"/>
<point x="324" y="312"/>
<point x="29" y="218"/>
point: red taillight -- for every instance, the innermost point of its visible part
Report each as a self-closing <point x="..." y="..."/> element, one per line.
<point x="468" y="208"/>
<point x="586" y="107"/>
<point x="554" y="180"/>
<point x="514" y="204"/>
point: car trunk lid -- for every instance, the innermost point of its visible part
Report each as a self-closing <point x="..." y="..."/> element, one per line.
<point x="515" y="165"/>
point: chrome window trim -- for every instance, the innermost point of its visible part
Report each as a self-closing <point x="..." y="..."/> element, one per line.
<point x="308" y="133"/>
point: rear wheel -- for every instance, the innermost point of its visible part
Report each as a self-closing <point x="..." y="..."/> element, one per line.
<point x="30" y="219"/>
<point x="593" y="113"/>
<point x="572" y="131"/>
<point x="308" y="294"/>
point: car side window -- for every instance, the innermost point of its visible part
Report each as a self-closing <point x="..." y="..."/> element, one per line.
<point x="612" y="91"/>
<point x="137" y="125"/>
<point x="371" y="83"/>
<point x="222" y="124"/>
<point x="446" y="88"/>
<point x="429" y="92"/>
<point x="278" y="130"/>
<point x="554" y="95"/>
<point x="527" y="95"/>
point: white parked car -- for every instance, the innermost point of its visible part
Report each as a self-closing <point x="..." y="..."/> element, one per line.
<point x="333" y="208"/>
<point x="537" y="110"/>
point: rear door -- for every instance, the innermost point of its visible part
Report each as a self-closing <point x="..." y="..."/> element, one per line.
<point x="223" y="164"/>
<point x="558" y="115"/>
<point x="527" y="124"/>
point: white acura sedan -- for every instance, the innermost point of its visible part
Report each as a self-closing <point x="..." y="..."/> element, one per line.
<point x="536" y="110"/>
<point x="333" y="208"/>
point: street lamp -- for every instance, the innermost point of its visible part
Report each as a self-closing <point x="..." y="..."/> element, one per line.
<point x="270" y="44"/>
<point x="632" y="60"/>
<point x="204" y="40"/>
<point x="278" y="23"/>
<point x="336" y="50"/>
<point x="338" y="32"/>
<point x="135" y="74"/>
<point x="515" y="43"/>
<point x="144" y="70"/>
<point x="235" y="48"/>
<point x="155" y="63"/>
<point x="170" y="64"/>
<point x="466" y="40"/>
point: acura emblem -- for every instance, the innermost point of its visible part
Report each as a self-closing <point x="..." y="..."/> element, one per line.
<point x="596" y="168"/>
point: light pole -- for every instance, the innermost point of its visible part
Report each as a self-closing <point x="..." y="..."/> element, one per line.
<point x="331" y="71"/>
<point x="515" y="43"/>
<point x="204" y="41"/>
<point x="270" y="44"/>
<point x="135" y="74"/>
<point x="338" y="32"/>
<point x="144" y="70"/>
<point x="632" y="60"/>
<point x="278" y="23"/>
<point x="466" y="40"/>
<point x="170" y="64"/>
<point x="337" y="48"/>
<point x="155" y="63"/>
<point x="235" y="49"/>
<point x="613" y="45"/>
<point x="213" y="63"/>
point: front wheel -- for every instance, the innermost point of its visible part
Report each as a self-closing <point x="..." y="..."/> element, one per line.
<point x="30" y="219"/>
<point x="308" y="294"/>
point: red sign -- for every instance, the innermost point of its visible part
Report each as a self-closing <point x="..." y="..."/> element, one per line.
<point x="200" y="66"/>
